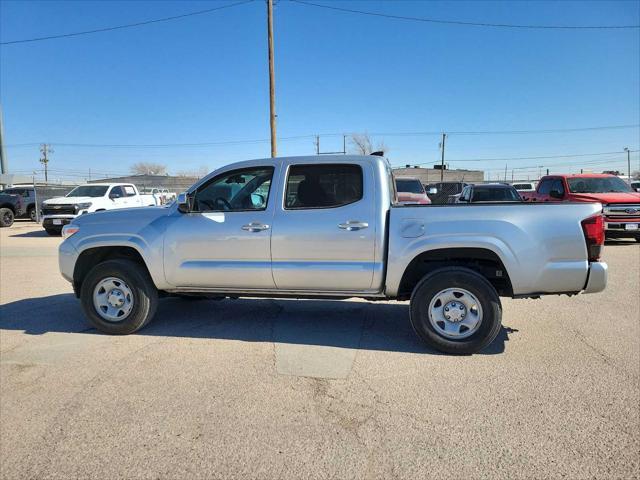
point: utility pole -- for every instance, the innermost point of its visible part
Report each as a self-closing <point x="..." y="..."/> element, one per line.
<point x="45" y="149"/>
<point x="4" y="168"/>
<point x="272" y="81"/>
<point x="444" y="136"/>
<point x="505" y="172"/>
<point x="317" y="144"/>
<point x="626" y="149"/>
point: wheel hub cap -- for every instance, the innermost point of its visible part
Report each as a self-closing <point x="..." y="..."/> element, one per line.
<point x="455" y="311"/>
<point x="115" y="298"/>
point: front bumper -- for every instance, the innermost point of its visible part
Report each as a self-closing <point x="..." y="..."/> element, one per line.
<point x="597" y="279"/>
<point x="57" y="221"/>
<point x="67" y="256"/>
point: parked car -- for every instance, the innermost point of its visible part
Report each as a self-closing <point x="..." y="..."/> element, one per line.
<point x="330" y="227"/>
<point x="524" y="186"/>
<point x="11" y="206"/>
<point x="93" y="197"/>
<point x="411" y="191"/>
<point x="28" y="195"/>
<point x="444" y="192"/>
<point x="490" y="192"/>
<point x="162" y="195"/>
<point x="621" y="205"/>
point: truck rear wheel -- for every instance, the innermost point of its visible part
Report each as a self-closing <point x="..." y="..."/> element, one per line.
<point x="6" y="217"/>
<point x="456" y="310"/>
<point x="118" y="297"/>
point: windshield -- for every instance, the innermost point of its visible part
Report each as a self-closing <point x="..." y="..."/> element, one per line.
<point x="409" y="186"/>
<point x="597" y="185"/>
<point x="484" y="194"/>
<point x="88" y="191"/>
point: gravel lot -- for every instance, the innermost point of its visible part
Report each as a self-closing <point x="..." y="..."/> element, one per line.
<point x="312" y="389"/>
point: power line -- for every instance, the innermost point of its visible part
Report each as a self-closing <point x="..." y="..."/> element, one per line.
<point x="548" y="157"/>
<point x="457" y="22"/>
<point x="129" y="25"/>
<point x="300" y="137"/>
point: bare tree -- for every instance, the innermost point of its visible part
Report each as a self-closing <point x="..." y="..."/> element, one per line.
<point x="361" y="144"/>
<point x="148" y="168"/>
<point x="199" y="173"/>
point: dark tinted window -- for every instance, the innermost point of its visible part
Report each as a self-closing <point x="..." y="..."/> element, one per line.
<point x="545" y="187"/>
<point x="116" y="192"/>
<point x="558" y="186"/>
<point x="238" y="190"/>
<point x="323" y="186"/>
<point x="407" y="185"/>
<point x="88" y="191"/>
<point x="495" y="194"/>
<point x="597" y="185"/>
<point x="522" y="186"/>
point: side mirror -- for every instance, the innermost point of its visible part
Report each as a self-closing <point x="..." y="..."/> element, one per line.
<point x="433" y="191"/>
<point x="184" y="202"/>
<point x="555" y="194"/>
<point x="257" y="200"/>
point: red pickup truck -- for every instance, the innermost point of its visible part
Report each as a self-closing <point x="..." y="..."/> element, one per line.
<point x="621" y="204"/>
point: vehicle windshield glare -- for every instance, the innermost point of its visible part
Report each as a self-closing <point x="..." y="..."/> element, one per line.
<point x="407" y="185"/>
<point x="88" y="191"/>
<point x="597" y="185"/>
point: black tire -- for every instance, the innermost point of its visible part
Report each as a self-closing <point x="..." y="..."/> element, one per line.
<point x="145" y="296"/>
<point x="54" y="232"/>
<point x="474" y="283"/>
<point x="6" y="217"/>
<point x="31" y="213"/>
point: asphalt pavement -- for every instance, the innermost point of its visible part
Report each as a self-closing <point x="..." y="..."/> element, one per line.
<point x="254" y="388"/>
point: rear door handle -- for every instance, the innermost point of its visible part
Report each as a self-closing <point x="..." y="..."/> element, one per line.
<point x="352" y="225"/>
<point x="255" y="227"/>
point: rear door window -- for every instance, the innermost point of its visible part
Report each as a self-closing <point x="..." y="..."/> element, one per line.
<point x="323" y="186"/>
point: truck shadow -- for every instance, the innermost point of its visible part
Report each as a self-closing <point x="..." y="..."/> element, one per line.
<point x="32" y="234"/>
<point x="345" y="323"/>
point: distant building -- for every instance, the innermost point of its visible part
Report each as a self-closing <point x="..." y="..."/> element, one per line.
<point x="432" y="175"/>
<point x="171" y="183"/>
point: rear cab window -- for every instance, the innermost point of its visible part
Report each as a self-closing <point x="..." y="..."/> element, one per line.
<point x="323" y="186"/>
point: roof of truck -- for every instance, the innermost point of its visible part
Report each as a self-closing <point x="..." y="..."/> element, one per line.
<point x="581" y="175"/>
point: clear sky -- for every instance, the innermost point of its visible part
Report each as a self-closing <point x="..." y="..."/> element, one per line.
<point x="204" y="79"/>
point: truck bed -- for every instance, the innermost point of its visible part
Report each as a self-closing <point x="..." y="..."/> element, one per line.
<point x="541" y="246"/>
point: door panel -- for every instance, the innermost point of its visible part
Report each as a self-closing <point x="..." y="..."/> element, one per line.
<point x="225" y="241"/>
<point x="213" y="250"/>
<point x="324" y="248"/>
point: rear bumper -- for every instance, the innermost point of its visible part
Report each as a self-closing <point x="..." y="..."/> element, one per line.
<point x="597" y="280"/>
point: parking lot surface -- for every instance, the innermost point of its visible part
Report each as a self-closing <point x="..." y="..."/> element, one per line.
<point x="254" y="388"/>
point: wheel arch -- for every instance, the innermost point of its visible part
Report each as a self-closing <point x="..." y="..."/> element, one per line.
<point x="90" y="257"/>
<point x="481" y="260"/>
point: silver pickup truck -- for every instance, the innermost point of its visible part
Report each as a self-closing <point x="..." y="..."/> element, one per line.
<point x="330" y="227"/>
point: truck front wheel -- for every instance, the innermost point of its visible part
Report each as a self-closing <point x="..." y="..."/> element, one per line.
<point x="456" y="310"/>
<point x="118" y="297"/>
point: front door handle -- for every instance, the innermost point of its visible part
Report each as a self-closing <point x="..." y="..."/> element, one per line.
<point x="352" y="225"/>
<point x="255" y="227"/>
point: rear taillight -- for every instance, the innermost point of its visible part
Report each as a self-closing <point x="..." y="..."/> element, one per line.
<point x="593" y="229"/>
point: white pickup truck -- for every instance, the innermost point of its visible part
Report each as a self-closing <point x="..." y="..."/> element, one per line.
<point x="332" y="227"/>
<point x="93" y="197"/>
